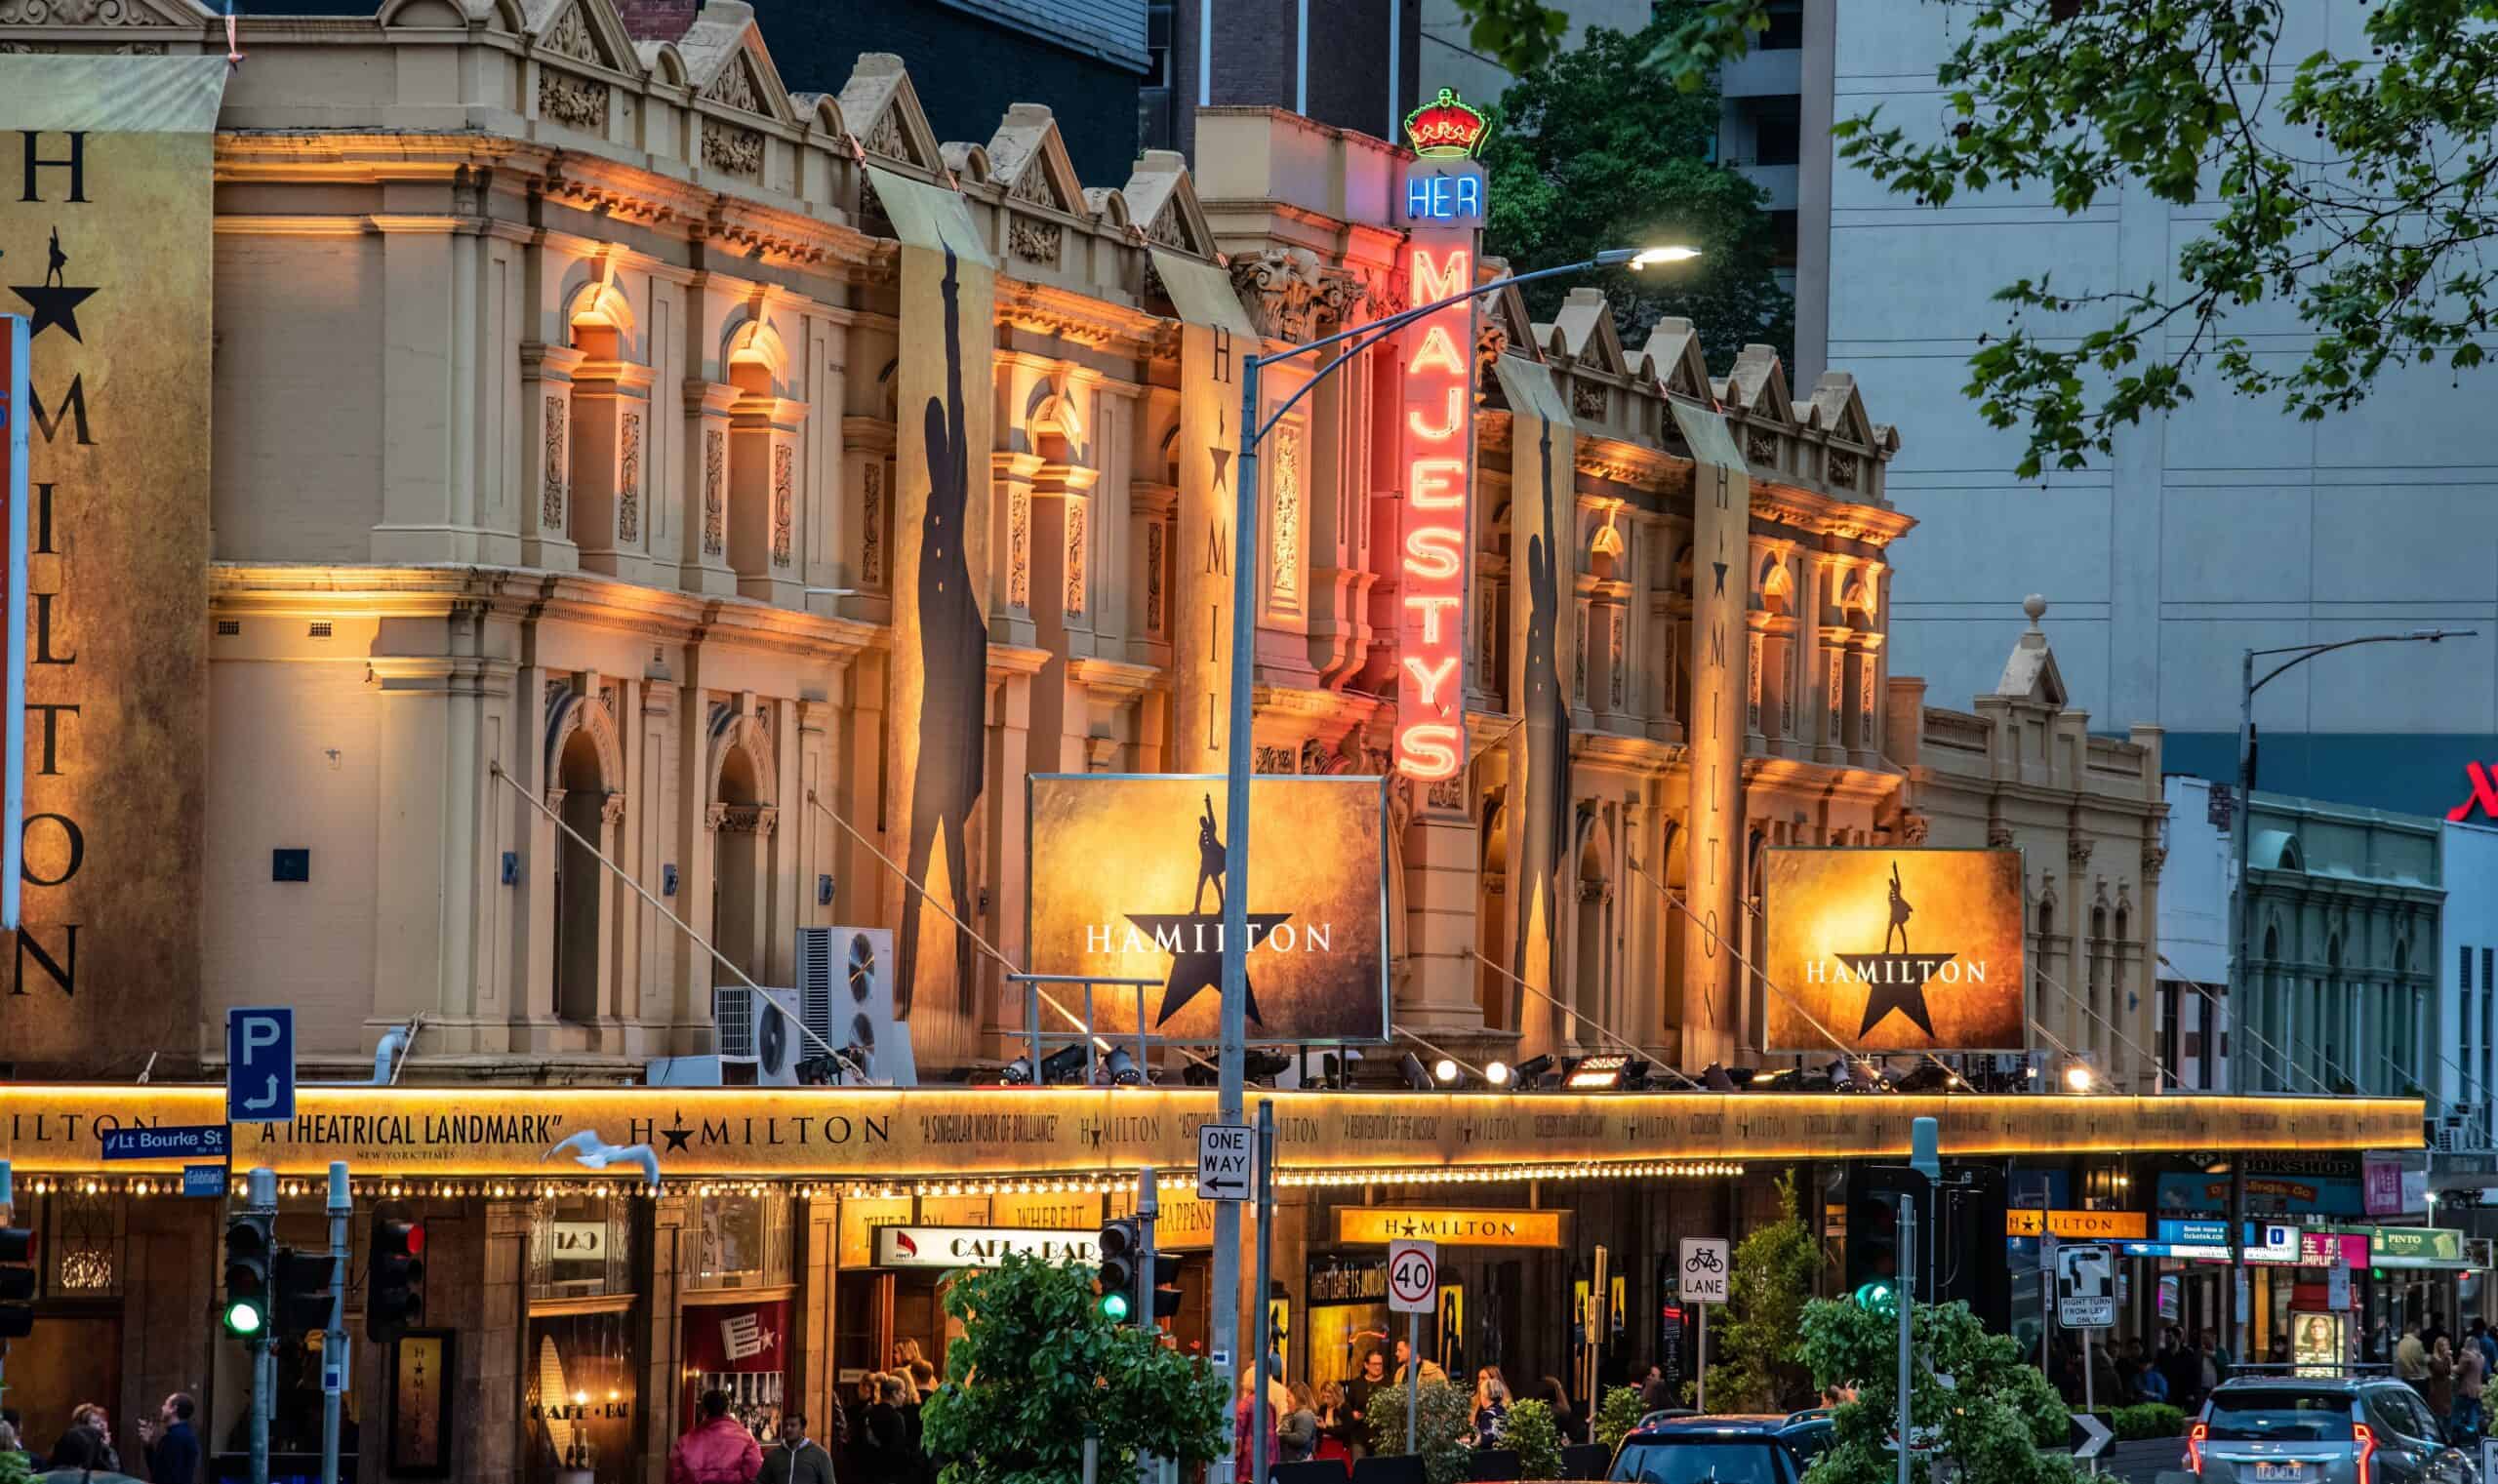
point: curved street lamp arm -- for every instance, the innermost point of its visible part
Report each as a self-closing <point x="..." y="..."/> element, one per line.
<point x="2302" y="654"/>
<point x="1366" y="336"/>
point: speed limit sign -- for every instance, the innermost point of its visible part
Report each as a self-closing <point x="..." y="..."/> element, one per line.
<point x="1413" y="1277"/>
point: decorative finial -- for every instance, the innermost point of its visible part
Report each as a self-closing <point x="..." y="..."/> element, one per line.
<point x="2035" y="607"/>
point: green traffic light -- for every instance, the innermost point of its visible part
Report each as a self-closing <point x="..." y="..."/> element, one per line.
<point x="1114" y="1307"/>
<point x="1878" y="1296"/>
<point x="244" y="1317"/>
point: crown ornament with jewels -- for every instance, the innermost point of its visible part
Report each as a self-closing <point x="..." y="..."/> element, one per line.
<point x="1445" y="128"/>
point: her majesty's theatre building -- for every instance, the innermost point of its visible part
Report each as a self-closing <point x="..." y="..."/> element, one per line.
<point x="538" y="536"/>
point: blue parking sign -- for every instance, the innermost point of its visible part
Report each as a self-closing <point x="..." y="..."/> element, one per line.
<point x="260" y="1064"/>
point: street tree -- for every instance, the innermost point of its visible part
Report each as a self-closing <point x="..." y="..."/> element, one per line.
<point x="1591" y="151"/>
<point x="2347" y="186"/>
<point x="1039" y="1367"/>
<point x="1758" y="1344"/>
<point x="1997" y="1417"/>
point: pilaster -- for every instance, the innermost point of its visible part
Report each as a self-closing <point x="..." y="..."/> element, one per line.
<point x="546" y="455"/>
<point x="705" y="568"/>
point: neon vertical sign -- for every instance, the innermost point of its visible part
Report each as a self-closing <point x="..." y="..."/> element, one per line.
<point x="1438" y="426"/>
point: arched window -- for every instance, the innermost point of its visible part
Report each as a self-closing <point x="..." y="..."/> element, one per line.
<point x="739" y="843"/>
<point x="580" y="887"/>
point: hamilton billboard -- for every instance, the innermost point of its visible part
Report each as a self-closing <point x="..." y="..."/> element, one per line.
<point x="1893" y="951"/>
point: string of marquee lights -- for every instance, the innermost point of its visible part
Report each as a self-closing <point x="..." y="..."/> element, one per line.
<point x="1571" y="1011"/>
<point x="983" y="943"/>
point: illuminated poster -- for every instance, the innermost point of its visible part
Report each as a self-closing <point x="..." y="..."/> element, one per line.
<point x="578" y="1389"/>
<point x="1214" y="334"/>
<point x="940" y="671"/>
<point x="1444" y="201"/>
<point x="107" y="250"/>
<point x="1722" y="536"/>
<point x="1894" y="950"/>
<point x="2319" y="1342"/>
<point x="1542" y="591"/>
<point x="1128" y="882"/>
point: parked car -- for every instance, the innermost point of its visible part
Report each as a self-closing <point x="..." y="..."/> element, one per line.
<point x="1773" y="1449"/>
<point x="2359" y="1427"/>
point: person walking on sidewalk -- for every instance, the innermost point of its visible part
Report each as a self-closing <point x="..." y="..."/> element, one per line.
<point x="716" y="1450"/>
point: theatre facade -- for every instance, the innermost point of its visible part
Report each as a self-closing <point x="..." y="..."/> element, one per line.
<point x="529" y="520"/>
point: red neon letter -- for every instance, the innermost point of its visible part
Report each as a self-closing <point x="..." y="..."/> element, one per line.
<point x="1455" y="420"/>
<point x="1435" y="552"/>
<point x="1427" y="753"/>
<point x="1437" y="484"/>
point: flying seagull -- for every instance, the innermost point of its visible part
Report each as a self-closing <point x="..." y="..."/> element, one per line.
<point x="595" y="1153"/>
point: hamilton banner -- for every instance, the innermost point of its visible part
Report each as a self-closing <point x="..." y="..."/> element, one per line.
<point x="1721" y="585"/>
<point x="1128" y="882"/>
<point x="938" y="684"/>
<point x="1193" y="577"/>
<point x="1543" y="598"/>
<point x="627" y="1137"/>
<point x="107" y="251"/>
<point x="1880" y="950"/>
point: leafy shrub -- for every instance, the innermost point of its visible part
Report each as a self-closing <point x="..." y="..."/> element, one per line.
<point x="2146" y="1420"/>
<point x="1535" y="1437"/>
<point x="1444" y="1421"/>
<point x="1617" y="1414"/>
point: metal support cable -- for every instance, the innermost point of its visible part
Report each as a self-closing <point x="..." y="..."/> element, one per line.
<point x="2114" y="1030"/>
<point x="2249" y="1028"/>
<point x="1598" y="1026"/>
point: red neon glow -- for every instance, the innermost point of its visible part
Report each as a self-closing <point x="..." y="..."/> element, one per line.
<point x="2195" y="1449"/>
<point x="2484" y="795"/>
<point x="1438" y="406"/>
<point x="2361" y="1434"/>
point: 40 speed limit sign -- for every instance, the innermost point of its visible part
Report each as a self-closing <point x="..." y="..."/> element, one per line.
<point x="1413" y="1277"/>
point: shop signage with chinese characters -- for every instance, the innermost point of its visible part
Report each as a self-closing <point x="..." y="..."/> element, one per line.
<point x="1895" y="949"/>
<point x="1376" y="1224"/>
<point x="977" y="1246"/>
<point x="2411" y="1246"/>
<point x="1127" y="876"/>
<point x="885" y="1133"/>
<point x="2076" y="1226"/>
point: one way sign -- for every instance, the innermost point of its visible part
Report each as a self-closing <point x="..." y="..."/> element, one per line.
<point x="1224" y="1160"/>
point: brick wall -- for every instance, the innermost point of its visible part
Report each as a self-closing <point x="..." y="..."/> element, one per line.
<point x="660" y="19"/>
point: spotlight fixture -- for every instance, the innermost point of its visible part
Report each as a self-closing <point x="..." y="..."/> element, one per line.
<point x="2079" y="1077"/>
<point x="1262" y="1065"/>
<point x="1596" y="1074"/>
<point x="1066" y="1065"/>
<point x="1445" y="1071"/>
<point x="1018" y="1072"/>
<point x="1122" y="1067"/>
<point x="1416" y="1078"/>
<point x="1496" y="1073"/>
<point x="1717" y="1079"/>
<point x="1531" y="1072"/>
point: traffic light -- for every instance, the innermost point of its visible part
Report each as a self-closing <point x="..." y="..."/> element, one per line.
<point x="247" y="1258"/>
<point x="1120" y="1244"/>
<point x="1166" y="1286"/>
<point x="1880" y="1296"/>
<point x="303" y="1283"/>
<point x="394" y="1273"/>
<point x="17" y="1282"/>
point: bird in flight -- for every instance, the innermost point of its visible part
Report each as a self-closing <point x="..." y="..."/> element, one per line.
<point x="591" y="1152"/>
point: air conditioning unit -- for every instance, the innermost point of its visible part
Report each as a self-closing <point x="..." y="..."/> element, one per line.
<point x="752" y="1034"/>
<point x="846" y="997"/>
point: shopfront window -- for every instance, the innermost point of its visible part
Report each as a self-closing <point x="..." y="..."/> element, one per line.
<point x="580" y="1382"/>
<point x="581" y="1247"/>
<point x="740" y="1241"/>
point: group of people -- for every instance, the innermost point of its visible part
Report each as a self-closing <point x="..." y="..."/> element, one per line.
<point x="2178" y="1368"/>
<point x="1331" y="1420"/>
<point x="877" y="1440"/>
<point x="84" y="1451"/>
<point x="2449" y="1370"/>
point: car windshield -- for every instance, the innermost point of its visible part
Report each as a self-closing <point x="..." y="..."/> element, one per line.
<point x="1701" y="1461"/>
<point x="2279" y="1413"/>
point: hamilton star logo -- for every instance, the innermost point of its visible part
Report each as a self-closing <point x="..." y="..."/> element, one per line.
<point x="678" y="1134"/>
<point x="54" y="301"/>
<point x="1219" y="450"/>
<point x="1194" y="938"/>
<point x="1897" y="981"/>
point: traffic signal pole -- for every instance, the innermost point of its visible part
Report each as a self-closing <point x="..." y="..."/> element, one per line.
<point x="334" y="1339"/>
<point x="261" y="1199"/>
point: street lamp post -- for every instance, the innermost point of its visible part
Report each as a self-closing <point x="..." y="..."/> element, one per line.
<point x="2242" y="1007"/>
<point x="1225" y="1319"/>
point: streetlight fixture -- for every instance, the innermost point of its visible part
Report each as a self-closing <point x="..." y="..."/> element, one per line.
<point x="1236" y="758"/>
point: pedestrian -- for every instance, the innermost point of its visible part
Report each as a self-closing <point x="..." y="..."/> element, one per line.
<point x="2411" y="1359"/>
<point x="2471" y="1371"/>
<point x="796" y="1459"/>
<point x="2183" y="1369"/>
<point x="1244" y="1461"/>
<point x="92" y="1414"/>
<point x="1491" y="1407"/>
<point x="886" y="1445"/>
<point x="1431" y="1371"/>
<point x="2216" y="1360"/>
<point x="1565" y="1421"/>
<point x="171" y="1446"/>
<point x="2377" y="1349"/>
<point x="716" y="1450"/>
<point x="79" y="1459"/>
<point x="1373" y="1376"/>
<point x="1655" y="1396"/>
<point x="9" y="1444"/>
<point x="2149" y="1385"/>
<point x="1335" y="1427"/>
<point x="1297" y="1435"/>
<point x="2488" y="1346"/>
<point x="2440" y="1390"/>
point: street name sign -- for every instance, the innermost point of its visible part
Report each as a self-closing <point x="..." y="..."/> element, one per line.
<point x="197" y="1140"/>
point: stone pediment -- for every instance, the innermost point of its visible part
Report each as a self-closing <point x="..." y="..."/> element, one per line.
<point x="727" y="63"/>
<point x="1162" y="199"/>
<point x="1029" y="160"/>
<point x="1587" y="337"/>
<point x="885" y="117"/>
<point x="1839" y="410"/>
<point x="1758" y="385"/>
<point x="583" y="32"/>
<point x="183" y="15"/>
<point x="1674" y="359"/>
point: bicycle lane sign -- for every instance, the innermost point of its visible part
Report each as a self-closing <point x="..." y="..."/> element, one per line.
<point x="1703" y="1269"/>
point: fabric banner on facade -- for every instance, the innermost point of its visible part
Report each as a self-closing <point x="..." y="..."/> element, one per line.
<point x="1713" y="831"/>
<point x="940" y="671"/>
<point x="619" y="1136"/>
<point x="1543" y="588"/>
<point x="105" y="246"/>
<point x="1196" y="574"/>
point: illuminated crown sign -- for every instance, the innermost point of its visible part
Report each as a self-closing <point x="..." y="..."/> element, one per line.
<point x="1445" y="129"/>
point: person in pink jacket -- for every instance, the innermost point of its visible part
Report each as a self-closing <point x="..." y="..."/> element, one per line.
<point x="716" y="1450"/>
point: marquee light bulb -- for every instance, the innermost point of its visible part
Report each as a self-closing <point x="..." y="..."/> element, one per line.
<point x="2078" y="1077"/>
<point x="1444" y="1070"/>
<point x="1496" y="1073"/>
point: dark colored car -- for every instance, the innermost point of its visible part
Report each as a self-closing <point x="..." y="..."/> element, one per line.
<point x="2354" y="1428"/>
<point x="1722" y="1450"/>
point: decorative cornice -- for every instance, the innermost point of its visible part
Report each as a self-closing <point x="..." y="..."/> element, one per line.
<point x="1046" y="309"/>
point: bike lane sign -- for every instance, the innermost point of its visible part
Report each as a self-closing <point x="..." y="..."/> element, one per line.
<point x="1703" y="1269"/>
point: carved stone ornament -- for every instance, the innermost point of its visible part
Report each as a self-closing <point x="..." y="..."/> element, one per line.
<point x="628" y="482"/>
<point x="2077" y="851"/>
<point x="1019" y="548"/>
<point x="1034" y="241"/>
<point x="1587" y="399"/>
<point x="1274" y="760"/>
<point x="1167" y="228"/>
<point x="1286" y="559"/>
<point x="554" y="490"/>
<point x="1314" y="759"/>
<point x="74" y="13"/>
<point x="1760" y="448"/>
<point x="1619" y="673"/>
<point x="735" y="87"/>
<point x="1998" y="834"/>
<point x="731" y="149"/>
<point x="576" y="103"/>
<point x="1491" y="342"/>
<point x="1280" y="288"/>
<point x="1034" y="188"/>
<point x="785" y="502"/>
<point x="745" y="819"/>
<point x="571" y="37"/>
<point x="1579" y="658"/>
<point x="885" y="137"/>
<point x="715" y="490"/>
<point x="1448" y="793"/>
<point x="1842" y="470"/>
<point x="2154" y="857"/>
<point x="1075" y="584"/>
<point x="1914" y="827"/>
<point x="871" y="528"/>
